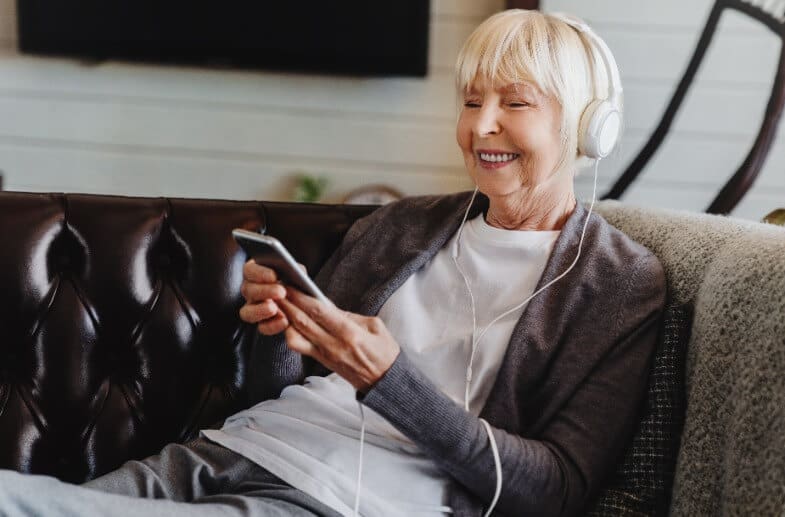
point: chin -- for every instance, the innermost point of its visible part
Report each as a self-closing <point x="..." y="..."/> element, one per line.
<point x="495" y="185"/>
<point x="495" y="190"/>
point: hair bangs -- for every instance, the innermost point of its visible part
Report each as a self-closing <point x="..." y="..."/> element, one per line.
<point x="506" y="50"/>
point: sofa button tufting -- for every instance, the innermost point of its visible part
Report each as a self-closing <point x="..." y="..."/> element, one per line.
<point x="11" y="363"/>
<point x="164" y="261"/>
<point x="64" y="262"/>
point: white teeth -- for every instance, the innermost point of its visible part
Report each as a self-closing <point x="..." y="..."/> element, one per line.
<point x="505" y="157"/>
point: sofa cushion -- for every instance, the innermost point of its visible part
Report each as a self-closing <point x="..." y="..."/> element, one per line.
<point x="731" y="275"/>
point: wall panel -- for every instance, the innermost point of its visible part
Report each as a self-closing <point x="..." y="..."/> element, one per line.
<point x="144" y="129"/>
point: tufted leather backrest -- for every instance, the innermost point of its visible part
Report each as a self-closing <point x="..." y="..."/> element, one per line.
<point x="119" y="330"/>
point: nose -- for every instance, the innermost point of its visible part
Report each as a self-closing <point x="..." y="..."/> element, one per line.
<point x="487" y="122"/>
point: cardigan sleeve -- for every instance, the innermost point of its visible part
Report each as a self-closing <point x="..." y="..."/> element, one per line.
<point x="272" y="367"/>
<point x="560" y="471"/>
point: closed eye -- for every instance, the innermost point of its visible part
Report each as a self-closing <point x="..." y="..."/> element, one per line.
<point x="469" y="104"/>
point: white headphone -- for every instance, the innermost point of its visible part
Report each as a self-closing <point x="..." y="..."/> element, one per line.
<point x="600" y="123"/>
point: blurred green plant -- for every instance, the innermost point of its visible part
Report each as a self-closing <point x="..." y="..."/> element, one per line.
<point x="776" y="217"/>
<point x="309" y="189"/>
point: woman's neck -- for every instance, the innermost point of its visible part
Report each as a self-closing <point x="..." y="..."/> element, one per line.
<point x="531" y="210"/>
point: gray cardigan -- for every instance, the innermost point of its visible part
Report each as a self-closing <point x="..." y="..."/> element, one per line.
<point x="571" y="384"/>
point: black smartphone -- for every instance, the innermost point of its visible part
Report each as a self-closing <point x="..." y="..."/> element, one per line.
<point x="268" y="251"/>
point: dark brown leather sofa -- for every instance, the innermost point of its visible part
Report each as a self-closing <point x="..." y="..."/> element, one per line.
<point x="119" y="328"/>
<point x="119" y="333"/>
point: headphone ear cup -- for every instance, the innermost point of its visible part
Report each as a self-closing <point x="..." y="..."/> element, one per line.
<point x="599" y="129"/>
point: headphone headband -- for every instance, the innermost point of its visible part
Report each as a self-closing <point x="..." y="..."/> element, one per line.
<point x="614" y="95"/>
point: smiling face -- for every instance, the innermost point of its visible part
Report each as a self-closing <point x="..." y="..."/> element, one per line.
<point x="510" y="137"/>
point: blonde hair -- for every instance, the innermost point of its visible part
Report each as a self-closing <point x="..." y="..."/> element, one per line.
<point x="518" y="45"/>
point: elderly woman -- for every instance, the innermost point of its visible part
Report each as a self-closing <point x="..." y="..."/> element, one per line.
<point x="473" y="397"/>
<point x="486" y="351"/>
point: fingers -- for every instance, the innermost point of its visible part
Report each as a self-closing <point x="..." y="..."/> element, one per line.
<point x="328" y="316"/>
<point x="274" y="325"/>
<point x="304" y="324"/>
<point x="296" y="342"/>
<point x="256" y="312"/>
<point x="260" y="290"/>
<point x="255" y="292"/>
<point x="253" y="272"/>
<point x="268" y="317"/>
<point x="257" y="273"/>
<point x="358" y="348"/>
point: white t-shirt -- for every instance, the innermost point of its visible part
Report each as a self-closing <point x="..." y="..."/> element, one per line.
<point x="309" y="437"/>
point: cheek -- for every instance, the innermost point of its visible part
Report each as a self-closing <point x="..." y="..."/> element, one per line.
<point x="463" y="134"/>
<point x="553" y="145"/>
<point x="542" y="142"/>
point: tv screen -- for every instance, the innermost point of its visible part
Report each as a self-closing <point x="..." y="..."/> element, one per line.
<point x="368" y="37"/>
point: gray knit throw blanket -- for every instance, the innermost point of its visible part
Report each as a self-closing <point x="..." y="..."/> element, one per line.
<point x="730" y="275"/>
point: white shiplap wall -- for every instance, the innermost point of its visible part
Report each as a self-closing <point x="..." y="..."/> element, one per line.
<point x="653" y="42"/>
<point x="154" y="130"/>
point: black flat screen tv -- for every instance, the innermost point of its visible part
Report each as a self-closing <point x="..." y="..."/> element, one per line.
<point x="365" y="38"/>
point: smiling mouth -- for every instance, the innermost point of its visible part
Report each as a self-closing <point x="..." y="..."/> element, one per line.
<point x="496" y="159"/>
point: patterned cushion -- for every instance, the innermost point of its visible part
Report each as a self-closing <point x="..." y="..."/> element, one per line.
<point x="642" y="483"/>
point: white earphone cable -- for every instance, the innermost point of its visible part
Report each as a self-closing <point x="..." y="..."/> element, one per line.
<point x="497" y="462"/>
<point x="360" y="461"/>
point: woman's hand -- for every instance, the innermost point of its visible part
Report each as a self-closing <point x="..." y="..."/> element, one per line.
<point x="261" y="291"/>
<point x="358" y="348"/>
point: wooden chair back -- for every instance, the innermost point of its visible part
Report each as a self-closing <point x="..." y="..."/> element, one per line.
<point x="770" y="13"/>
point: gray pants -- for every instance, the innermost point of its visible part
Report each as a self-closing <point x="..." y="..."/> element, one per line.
<point x="199" y="479"/>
